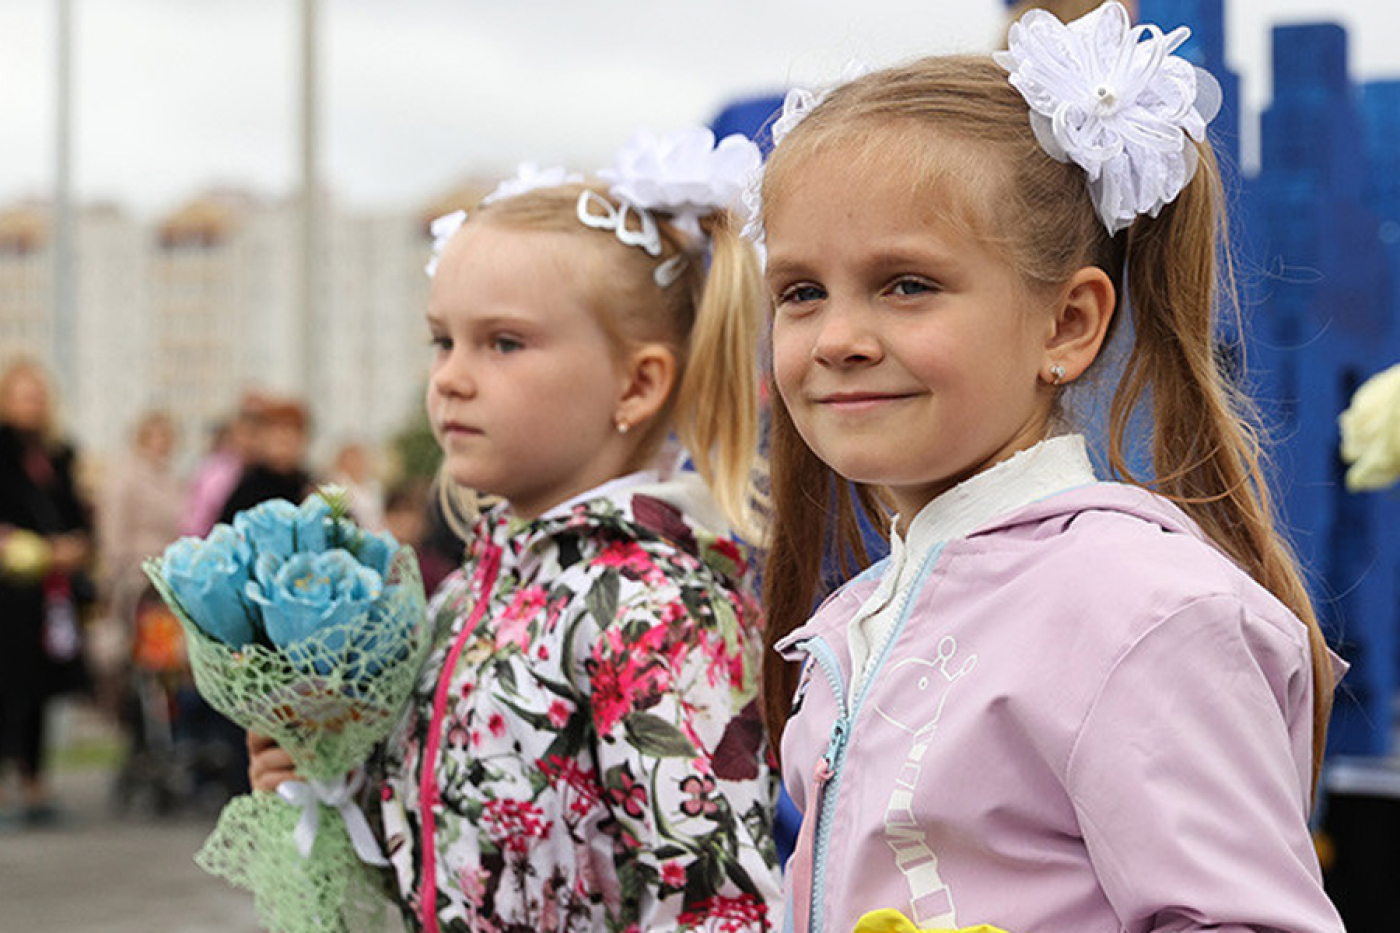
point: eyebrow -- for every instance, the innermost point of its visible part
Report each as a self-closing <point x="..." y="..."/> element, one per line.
<point x="517" y="322"/>
<point x="894" y="255"/>
<point x="783" y="268"/>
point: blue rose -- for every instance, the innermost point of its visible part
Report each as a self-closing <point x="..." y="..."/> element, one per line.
<point x="312" y="518"/>
<point x="307" y="593"/>
<point x="279" y="528"/>
<point x="377" y="551"/>
<point x="208" y="577"/>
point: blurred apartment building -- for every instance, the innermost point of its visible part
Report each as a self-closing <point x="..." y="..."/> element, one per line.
<point x="188" y="311"/>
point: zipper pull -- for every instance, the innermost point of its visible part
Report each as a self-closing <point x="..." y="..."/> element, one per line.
<point x="836" y="743"/>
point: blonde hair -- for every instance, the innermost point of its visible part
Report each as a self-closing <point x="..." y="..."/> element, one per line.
<point x="1204" y="442"/>
<point x="710" y="318"/>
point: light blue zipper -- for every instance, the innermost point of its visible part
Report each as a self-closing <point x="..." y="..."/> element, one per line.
<point x="825" y="658"/>
<point x="822" y="655"/>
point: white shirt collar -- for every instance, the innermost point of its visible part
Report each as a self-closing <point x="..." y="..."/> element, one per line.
<point x="1053" y="465"/>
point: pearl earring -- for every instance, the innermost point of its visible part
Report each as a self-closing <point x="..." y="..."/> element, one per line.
<point x="622" y="426"/>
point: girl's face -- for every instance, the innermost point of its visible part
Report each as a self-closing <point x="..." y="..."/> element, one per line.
<point x="524" y="385"/>
<point x="907" y="352"/>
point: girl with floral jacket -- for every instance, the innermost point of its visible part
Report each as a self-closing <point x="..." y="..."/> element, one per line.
<point x="585" y="749"/>
<point x="598" y="763"/>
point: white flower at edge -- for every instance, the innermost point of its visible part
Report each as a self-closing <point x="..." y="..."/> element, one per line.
<point x="530" y="177"/>
<point x="751" y="208"/>
<point x="1112" y="98"/>
<point x="684" y="173"/>
<point x="443" y="229"/>
<point x="797" y="104"/>
<point x="1370" y="429"/>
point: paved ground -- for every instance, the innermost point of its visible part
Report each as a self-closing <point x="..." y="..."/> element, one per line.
<point x="100" y="872"/>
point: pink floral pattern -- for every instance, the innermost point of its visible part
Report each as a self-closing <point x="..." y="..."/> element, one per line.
<point x="599" y="767"/>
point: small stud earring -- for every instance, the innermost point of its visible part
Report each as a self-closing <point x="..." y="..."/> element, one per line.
<point x="1057" y="373"/>
<point x="622" y="426"/>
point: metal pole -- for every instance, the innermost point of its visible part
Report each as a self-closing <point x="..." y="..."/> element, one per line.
<point x="309" y="286"/>
<point x="63" y="325"/>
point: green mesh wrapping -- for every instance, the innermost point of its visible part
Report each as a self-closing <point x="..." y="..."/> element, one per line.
<point x="253" y="848"/>
<point x="327" y="700"/>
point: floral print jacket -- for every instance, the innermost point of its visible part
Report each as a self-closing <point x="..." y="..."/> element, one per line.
<point x="585" y="750"/>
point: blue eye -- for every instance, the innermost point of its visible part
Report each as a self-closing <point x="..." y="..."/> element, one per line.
<point x="506" y="345"/>
<point x="801" y="293"/>
<point x="909" y="287"/>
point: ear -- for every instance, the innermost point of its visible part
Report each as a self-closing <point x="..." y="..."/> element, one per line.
<point x="1080" y="325"/>
<point x="648" y="375"/>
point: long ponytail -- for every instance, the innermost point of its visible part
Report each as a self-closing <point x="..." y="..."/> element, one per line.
<point x="717" y="408"/>
<point x="1206" y="450"/>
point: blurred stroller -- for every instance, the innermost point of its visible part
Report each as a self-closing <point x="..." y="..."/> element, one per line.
<point x="180" y="752"/>
<point x="154" y="775"/>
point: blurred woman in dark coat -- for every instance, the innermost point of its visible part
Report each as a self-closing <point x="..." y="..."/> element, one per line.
<point x="44" y="546"/>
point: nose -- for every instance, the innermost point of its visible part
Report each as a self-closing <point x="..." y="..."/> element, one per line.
<point x="845" y="336"/>
<point x="452" y="376"/>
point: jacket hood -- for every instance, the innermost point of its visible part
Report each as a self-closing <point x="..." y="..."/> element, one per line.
<point x="1057" y="510"/>
<point x="1042" y="518"/>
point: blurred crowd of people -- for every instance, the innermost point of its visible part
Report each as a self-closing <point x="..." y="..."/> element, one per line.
<point x="80" y="616"/>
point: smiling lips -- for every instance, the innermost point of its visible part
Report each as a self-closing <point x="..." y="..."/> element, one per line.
<point x="859" y="401"/>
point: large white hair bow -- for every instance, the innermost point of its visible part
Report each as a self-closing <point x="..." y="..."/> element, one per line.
<point x="684" y="174"/>
<point x="1112" y="98"/>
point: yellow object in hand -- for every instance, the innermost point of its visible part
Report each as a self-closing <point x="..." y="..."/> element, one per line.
<point x="24" y="555"/>
<point x="889" y="920"/>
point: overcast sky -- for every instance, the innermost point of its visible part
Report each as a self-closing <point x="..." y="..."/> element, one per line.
<point x="175" y="96"/>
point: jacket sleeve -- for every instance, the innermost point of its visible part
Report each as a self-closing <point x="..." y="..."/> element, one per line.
<point x="682" y="759"/>
<point x="1191" y="776"/>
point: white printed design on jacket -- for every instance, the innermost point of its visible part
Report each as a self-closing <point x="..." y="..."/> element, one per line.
<point x="930" y="900"/>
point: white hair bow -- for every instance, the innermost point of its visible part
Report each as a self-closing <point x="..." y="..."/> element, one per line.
<point x="1112" y="98"/>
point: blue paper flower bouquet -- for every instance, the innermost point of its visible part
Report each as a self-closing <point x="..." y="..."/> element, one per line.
<point x="308" y="629"/>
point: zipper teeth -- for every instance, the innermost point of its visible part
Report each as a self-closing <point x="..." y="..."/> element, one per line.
<point x="826" y="659"/>
<point x="827" y="662"/>
<point x="821" y="654"/>
<point x="823" y="841"/>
